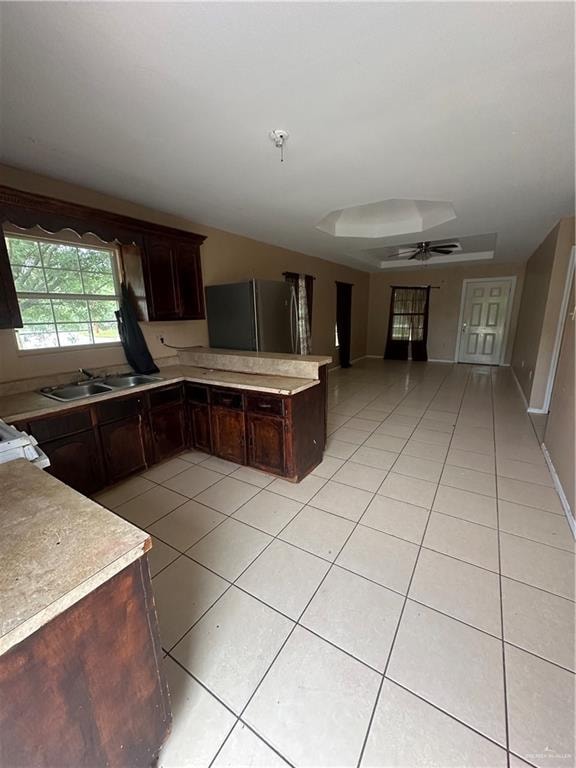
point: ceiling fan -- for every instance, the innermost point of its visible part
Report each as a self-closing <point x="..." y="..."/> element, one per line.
<point x="426" y="249"/>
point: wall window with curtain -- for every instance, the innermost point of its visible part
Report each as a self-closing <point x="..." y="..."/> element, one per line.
<point x="408" y="323"/>
<point x="344" y="322"/>
<point x="304" y="289"/>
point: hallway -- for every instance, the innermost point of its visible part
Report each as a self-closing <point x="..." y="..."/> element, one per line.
<point x="410" y="603"/>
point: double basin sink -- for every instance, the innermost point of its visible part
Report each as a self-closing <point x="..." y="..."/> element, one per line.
<point x="97" y="386"/>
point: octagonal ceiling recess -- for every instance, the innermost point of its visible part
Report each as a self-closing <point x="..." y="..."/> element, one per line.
<point x="387" y="218"/>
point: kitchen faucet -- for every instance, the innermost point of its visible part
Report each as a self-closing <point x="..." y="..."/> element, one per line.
<point x="86" y="373"/>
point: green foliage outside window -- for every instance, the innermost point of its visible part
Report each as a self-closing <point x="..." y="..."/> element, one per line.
<point x="67" y="293"/>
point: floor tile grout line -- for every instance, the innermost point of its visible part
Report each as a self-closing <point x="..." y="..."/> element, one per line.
<point x="228" y="708"/>
<point x="447" y="713"/>
<point x="401" y="616"/>
<point x="301" y="615"/>
<point x="359" y="575"/>
<point x="503" y="646"/>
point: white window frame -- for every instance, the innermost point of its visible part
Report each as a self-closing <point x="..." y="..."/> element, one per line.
<point x="61" y="238"/>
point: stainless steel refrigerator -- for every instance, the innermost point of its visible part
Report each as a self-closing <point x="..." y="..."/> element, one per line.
<point x="260" y="315"/>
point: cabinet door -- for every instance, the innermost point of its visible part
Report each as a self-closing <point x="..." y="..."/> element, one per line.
<point x="266" y="447"/>
<point x="160" y="280"/>
<point x="188" y="270"/>
<point x="168" y="435"/>
<point x="123" y="447"/>
<point x="200" y="436"/>
<point x="75" y="460"/>
<point x="228" y="440"/>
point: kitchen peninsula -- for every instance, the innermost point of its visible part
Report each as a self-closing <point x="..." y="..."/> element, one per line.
<point x="80" y="656"/>
<point x="264" y="410"/>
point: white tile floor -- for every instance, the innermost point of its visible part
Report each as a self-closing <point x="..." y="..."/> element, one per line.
<point x="410" y="603"/>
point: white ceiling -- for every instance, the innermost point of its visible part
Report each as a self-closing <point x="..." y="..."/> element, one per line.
<point x="170" y="105"/>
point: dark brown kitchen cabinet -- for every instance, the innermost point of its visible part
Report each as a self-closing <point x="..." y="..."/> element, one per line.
<point x="266" y="443"/>
<point x="75" y="460"/>
<point x="172" y="276"/>
<point x="167" y="423"/>
<point x="123" y="447"/>
<point x="199" y="424"/>
<point x="228" y="438"/>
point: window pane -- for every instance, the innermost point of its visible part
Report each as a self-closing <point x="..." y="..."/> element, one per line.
<point x="99" y="282"/>
<point x="63" y="281"/>
<point x="74" y="333"/>
<point x="36" y="311"/>
<point x="93" y="260"/>
<point x="49" y="269"/>
<point x="104" y="333"/>
<point x="37" y="337"/>
<point x="103" y="310"/>
<point x="59" y="256"/>
<point x="71" y="311"/>
<point x="29" y="279"/>
<point x="24" y="252"/>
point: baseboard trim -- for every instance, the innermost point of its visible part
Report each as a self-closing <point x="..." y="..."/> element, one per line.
<point x="355" y="360"/>
<point x="522" y="395"/>
<point x="440" y="360"/>
<point x="560" y="490"/>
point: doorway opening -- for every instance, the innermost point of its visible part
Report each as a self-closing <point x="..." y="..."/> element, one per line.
<point x="484" y="320"/>
<point x="344" y="322"/>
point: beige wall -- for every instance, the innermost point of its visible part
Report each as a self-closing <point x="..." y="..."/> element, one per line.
<point x="544" y="286"/>
<point x="560" y="432"/>
<point x="225" y="257"/>
<point x="444" y="303"/>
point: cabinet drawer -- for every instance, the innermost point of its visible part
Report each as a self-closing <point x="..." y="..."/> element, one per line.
<point x="196" y="394"/>
<point x="60" y="425"/>
<point x="265" y="404"/>
<point x="228" y="399"/>
<point x="114" y="410"/>
<point x="159" y="397"/>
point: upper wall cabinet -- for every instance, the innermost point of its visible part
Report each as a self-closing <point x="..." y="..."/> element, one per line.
<point x="161" y="265"/>
<point x="172" y="279"/>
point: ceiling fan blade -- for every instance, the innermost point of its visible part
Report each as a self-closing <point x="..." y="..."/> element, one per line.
<point x="445" y="245"/>
<point x="441" y="250"/>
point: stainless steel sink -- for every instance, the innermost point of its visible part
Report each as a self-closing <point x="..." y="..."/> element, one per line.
<point x="97" y="387"/>
<point x="134" y="380"/>
<point x="77" y="391"/>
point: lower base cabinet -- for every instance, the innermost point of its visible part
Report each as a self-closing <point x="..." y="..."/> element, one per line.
<point x="87" y="688"/>
<point x="200" y="433"/>
<point x="266" y="443"/>
<point x="168" y="431"/>
<point x="69" y="461"/>
<point x="93" y="446"/>
<point x="123" y="447"/>
<point x="228" y="435"/>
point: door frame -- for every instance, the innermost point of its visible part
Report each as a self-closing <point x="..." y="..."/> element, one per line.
<point x="559" y="333"/>
<point x="512" y="280"/>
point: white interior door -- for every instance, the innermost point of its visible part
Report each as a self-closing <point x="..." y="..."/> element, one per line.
<point x="484" y="316"/>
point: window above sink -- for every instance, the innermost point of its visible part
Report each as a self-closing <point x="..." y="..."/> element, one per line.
<point x="67" y="290"/>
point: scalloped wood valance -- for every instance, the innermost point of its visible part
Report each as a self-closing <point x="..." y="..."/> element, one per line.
<point x="28" y="210"/>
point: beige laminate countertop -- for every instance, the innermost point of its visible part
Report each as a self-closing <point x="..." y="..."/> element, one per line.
<point x="29" y="405"/>
<point x="56" y="546"/>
